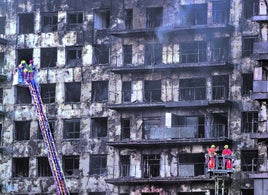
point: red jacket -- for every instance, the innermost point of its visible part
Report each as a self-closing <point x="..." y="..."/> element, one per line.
<point x="227" y="152"/>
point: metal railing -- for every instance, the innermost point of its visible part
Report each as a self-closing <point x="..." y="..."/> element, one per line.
<point x="177" y="132"/>
<point x="219" y="92"/>
<point x="154" y="170"/>
<point x="192" y="93"/>
<point x="257" y="165"/>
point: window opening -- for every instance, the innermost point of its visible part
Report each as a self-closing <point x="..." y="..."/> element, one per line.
<point x="99" y="127"/>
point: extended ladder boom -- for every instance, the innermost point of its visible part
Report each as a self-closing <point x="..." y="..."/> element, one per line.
<point x="48" y="139"/>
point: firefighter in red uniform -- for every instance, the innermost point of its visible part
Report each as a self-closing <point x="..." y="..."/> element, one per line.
<point x="212" y="153"/>
<point x="226" y="153"/>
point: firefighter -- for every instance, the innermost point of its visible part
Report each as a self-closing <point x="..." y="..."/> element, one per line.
<point x="211" y="153"/>
<point x="226" y="153"/>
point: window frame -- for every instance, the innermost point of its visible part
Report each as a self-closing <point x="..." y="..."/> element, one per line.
<point x="75" y="161"/>
<point x="99" y="129"/>
<point x="71" y="128"/>
<point x="50" y="55"/>
<point x="100" y="91"/>
<point x="20" y="161"/>
<point x="26" y="23"/>
<point x="68" y="99"/>
<point x="43" y="167"/>
<point x="249" y="119"/>
<point x="48" y="93"/>
<point x="74" y="51"/>
<point x="52" y="19"/>
<point x="100" y="167"/>
<point x="22" y="130"/>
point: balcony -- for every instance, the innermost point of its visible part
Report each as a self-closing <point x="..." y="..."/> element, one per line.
<point x="178" y="135"/>
<point x="175" y="60"/>
<point x="260" y="50"/>
<point x="183" y="97"/>
<point x="260" y="90"/>
<point x="150" y="173"/>
<point x="259" y="168"/>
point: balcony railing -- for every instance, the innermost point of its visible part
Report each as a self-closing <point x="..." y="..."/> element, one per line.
<point x="192" y="93"/>
<point x="219" y="92"/>
<point x="154" y="170"/>
<point x="177" y="132"/>
<point x="258" y="165"/>
<point x="188" y="131"/>
<point x="194" y="57"/>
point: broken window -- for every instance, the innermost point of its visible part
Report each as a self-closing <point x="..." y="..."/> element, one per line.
<point x="20" y="167"/>
<point x="24" y="54"/>
<point x="187" y="127"/>
<point x="98" y="163"/>
<point x="247" y="83"/>
<point x="99" y="91"/>
<point x="99" y="127"/>
<point x="250" y="8"/>
<point x="192" y="52"/>
<point x="219" y="50"/>
<point x="249" y="122"/>
<point x="22" y="130"/>
<point x="2" y="60"/>
<point x="71" y="129"/>
<point x="101" y="19"/>
<point x="220" y="12"/>
<point x="74" y="56"/>
<point x="149" y="125"/>
<point x="70" y="165"/>
<point x="191" y="164"/>
<point x="43" y="167"/>
<point x="129" y="18"/>
<point x="50" y="22"/>
<point x="219" y="125"/>
<point x="48" y="57"/>
<point x="192" y="89"/>
<point x="151" y="165"/>
<point x="72" y="92"/>
<point x="247" y="45"/>
<point x="101" y="54"/>
<point x="152" y="91"/>
<point x="249" y="159"/>
<point x="220" y="87"/>
<point x="127" y="50"/>
<point x="194" y="14"/>
<point x="125" y="128"/>
<point x="48" y="93"/>
<point x="26" y="23"/>
<point x="23" y="95"/>
<point x="126" y="91"/>
<point x="124" y="165"/>
<point x="75" y="20"/>
<point x="154" y="17"/>
<point x="153" y="54"/>
<point x="2" y="25"/>
<point x="51" y="124"/>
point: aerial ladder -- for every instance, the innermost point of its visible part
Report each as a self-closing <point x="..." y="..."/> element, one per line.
<point x="220" y="167"/>
<point x="25" y="75"/>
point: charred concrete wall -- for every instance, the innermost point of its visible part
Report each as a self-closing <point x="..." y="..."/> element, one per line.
<point x="86" y="110"/>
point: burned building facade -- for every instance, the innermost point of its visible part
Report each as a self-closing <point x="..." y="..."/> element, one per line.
<point x="135" y="92"/>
